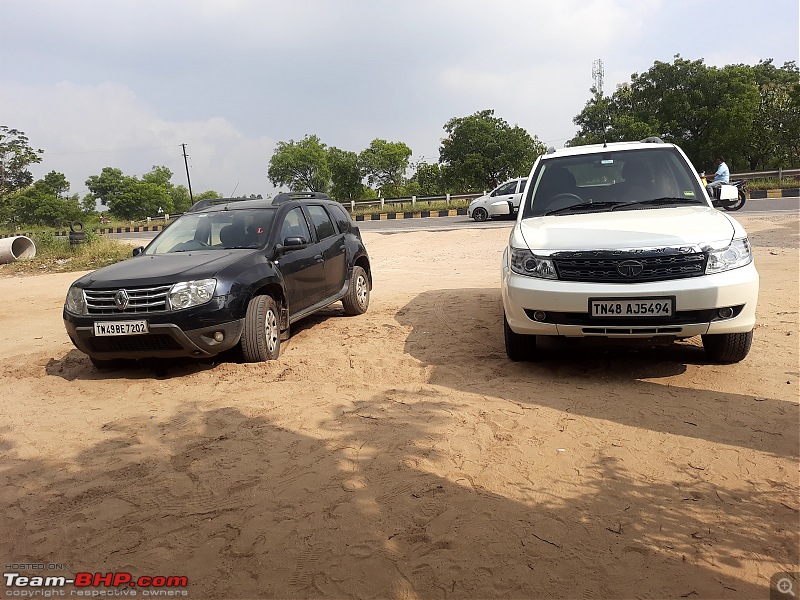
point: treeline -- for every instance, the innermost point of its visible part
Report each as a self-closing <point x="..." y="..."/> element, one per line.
<point x="480" y="151"/>
<point x="749" y="115"/>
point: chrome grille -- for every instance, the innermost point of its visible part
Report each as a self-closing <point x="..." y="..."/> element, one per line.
<point x="139" y="300"/>
<point x="607" y="269"/>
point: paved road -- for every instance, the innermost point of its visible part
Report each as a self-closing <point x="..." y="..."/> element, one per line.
<point x="762" y="206"/>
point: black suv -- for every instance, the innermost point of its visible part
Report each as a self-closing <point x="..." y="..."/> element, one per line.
<point x="227" y="272"/>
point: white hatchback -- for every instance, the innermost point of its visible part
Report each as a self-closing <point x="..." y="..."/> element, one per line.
<point x="620" y="240"/>
<point x="503" y="201"/>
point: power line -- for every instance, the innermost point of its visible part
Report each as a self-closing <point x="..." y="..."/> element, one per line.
<point x="108" y="150"/>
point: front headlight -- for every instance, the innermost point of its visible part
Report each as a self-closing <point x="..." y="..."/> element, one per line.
<point x="191" y="293"/>
<point x="738" y="254"/>
<point x="76" y="301"/>
<point x="524" y="262"/>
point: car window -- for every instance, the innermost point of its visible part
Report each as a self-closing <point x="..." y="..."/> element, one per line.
<point x="295" y="225"/>
<point x="214" y="230"/>
<point x="507" y="188"/>
<point x="341" y="217"/>
<point x="321" y="221"/>
<point x="522" y="184"/>
<point x="603" y="181"/>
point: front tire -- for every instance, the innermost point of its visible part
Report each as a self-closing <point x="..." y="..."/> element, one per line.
<point x="519" y="347"/>
<point x="261" y="338"/>
<point x="727" y="347"/>
<point x="480" y="215"/>
<point x="356" y="301"/>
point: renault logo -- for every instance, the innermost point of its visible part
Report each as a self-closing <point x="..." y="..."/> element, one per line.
<point x="121" y="299"/>
<point x="630" y="268"/>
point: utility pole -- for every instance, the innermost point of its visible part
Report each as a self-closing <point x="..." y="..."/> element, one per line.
<point x="186" y="163"/>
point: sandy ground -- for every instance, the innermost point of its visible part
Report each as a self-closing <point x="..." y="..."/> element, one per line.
<point x="399" y="454"/>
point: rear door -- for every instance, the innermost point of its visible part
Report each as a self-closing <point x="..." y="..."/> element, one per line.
<point x="331" y="245"/>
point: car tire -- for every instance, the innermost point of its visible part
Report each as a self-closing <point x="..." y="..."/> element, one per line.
<point x="519" y="347"/>
<point x="356" y="300"/>
<point x="727" y="347"/>
<point x="261" y="338"/>
<point x="480" y="215"/>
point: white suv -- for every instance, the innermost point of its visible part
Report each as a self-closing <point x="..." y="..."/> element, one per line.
<point x="621" y="240"/>
<point x="502" y="201"/>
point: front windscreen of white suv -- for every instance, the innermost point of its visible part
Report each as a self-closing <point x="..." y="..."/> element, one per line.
<point x="620" y="240"/>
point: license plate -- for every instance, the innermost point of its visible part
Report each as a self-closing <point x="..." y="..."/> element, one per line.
<point x="631" y="307"/>
<point x="120" y="328"/>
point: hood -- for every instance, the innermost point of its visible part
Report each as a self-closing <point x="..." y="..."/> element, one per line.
<point x="162" y="269"/>
<point x="652" y="228"/>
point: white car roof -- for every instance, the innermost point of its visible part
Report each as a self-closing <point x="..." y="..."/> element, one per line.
<point x="600" y="148"/>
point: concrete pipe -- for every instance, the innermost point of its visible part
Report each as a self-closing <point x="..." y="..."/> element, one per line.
<point x="14" y="248"/>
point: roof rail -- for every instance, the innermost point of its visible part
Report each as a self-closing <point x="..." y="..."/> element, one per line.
<point x="652" y="140"/>
<point x="287" y="196"/>
<point x="201" y="204"/>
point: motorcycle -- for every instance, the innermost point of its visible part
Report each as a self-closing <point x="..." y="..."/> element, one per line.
<point x="730" y="196"/>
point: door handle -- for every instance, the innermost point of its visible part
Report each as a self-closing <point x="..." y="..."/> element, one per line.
<point x="318" y="258"/>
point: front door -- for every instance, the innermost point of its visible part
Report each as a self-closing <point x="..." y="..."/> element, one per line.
<point x="303" y="269"/>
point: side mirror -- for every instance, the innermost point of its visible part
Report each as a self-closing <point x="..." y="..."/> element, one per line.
<point x="138" y="251"/>
<point x="291" y="243"/>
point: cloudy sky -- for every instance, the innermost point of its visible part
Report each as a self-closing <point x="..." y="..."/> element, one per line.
<point x="124" y="83"/>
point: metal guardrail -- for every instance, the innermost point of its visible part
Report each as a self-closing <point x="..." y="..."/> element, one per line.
<point x="777" y="174"/>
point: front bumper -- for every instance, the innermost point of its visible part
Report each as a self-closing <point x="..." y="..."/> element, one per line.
<point x="565" y="305"/>
<point x="188" y="333"/>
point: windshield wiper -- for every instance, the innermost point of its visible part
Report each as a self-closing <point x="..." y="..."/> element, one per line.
<point x="584" y="206"/>
<point x="656" y="201"/>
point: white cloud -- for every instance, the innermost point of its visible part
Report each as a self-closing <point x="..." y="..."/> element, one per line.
<point x="85" y="128"/>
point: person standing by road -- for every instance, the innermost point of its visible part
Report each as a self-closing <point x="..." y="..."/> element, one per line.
<point x="722" y="176"/>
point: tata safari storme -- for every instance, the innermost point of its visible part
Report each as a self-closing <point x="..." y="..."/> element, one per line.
<point x="227" y="273"/>
<point x="621" y="241"/>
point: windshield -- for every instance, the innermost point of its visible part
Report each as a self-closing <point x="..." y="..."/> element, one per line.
<point x="616" y="180"/>
<point x="217" y="230"/>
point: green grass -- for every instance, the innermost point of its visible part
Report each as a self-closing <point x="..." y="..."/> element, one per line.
<point x="55" y="255"/>
<point x="773" y="184"/>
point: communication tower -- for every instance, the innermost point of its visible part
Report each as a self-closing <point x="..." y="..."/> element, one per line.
<point x="597" y="75"/>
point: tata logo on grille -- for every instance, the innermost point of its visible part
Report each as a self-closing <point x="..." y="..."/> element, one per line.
<point x="121" y="299"/>
<point x="630" y="268"/>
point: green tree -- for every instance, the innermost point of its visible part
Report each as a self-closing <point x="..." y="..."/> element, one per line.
<point x="384" y="164"/>
<point x="54" y="183"/>
<point x="129" y="198"/>
<point x="744" y="114"/>
<point x="181" y="202"/>
<point x="16" y="156"/>
<point x="301" y="165"/>
<point x="346" y="179"/>
<point x="431" y="179"/>
<point x="45" y="203"/>
<point x="776" y="132"/>
<point x="482" y="150"/>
